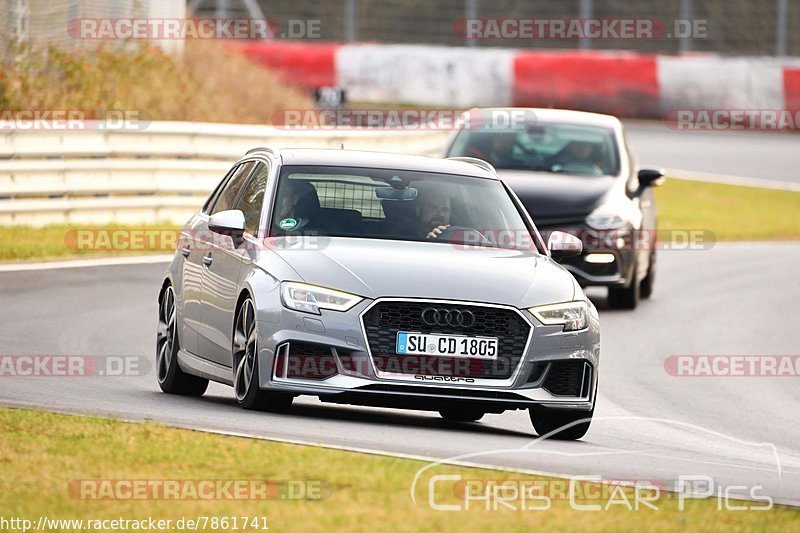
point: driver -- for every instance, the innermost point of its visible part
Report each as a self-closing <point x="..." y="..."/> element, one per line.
<point x="431" y="216"/>
<point x="501" y="149"/>
<point x="577" y="152"/>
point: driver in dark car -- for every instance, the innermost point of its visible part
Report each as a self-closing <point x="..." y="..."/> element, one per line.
<point x="500" y="151"/>
<point x="580" y="152"/>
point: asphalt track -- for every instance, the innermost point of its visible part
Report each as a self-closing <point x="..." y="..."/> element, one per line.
<point x="649" y="425"/>
<point x="730" y="299"/>
<point x="756" y="155"/>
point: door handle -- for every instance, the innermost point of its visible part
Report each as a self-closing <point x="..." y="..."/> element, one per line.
<point x="207" y="260"/>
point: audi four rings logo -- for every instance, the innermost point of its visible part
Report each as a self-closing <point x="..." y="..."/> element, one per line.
<point x="448" y="317"/>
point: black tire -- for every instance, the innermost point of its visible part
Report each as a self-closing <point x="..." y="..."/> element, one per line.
<point x="245" y="366"/>
<point x="646" y="289"/>
<point x="462" y="414"/>
<point x="560" y="424"/>
<point x="625" y="297"/>
<point x="171" y="378"/>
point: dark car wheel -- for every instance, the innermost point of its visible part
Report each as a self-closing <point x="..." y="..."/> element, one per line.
<point x="560" y="424"/>
<point x="646" y="290"/>
<point x="245" y="366"/>
<point x="625" y="297"/>
<point x="171" y="378"/>
<point x="462" y="414"/>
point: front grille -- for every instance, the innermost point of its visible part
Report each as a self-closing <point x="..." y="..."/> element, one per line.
<point x="567" y="378"/>
<point x="385" y="319"/>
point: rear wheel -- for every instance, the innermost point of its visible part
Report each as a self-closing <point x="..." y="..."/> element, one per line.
<point x="245" y="366"/>
<point x="171" y="378"/>
<point x="462" y="414"/>
<point x="625" y="297"/>
<point x="560" y="424"/>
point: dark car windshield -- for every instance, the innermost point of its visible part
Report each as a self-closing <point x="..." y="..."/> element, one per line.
<point x="565" y="148"/>
<point x="397" y="204"/>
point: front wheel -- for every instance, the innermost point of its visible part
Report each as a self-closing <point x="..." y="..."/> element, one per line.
<point x="245" y="364"/>
<point x="647" y="283"/>
<point x="171" y="378"/>
<point x="560" y="424"/>
<point x="625" y="297"/>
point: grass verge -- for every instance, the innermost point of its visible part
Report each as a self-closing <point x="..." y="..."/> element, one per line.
<point x="730" y="212"/>
<point x="48" y="461"/>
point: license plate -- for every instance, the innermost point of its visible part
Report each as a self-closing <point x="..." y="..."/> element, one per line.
<point x="446" y="345"/>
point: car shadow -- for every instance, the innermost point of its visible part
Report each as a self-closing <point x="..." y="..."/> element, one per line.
<point x="395" y="417"/>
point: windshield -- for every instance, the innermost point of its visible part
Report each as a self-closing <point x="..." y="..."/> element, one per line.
<point x="569" y="149"/>
<point x="397" y="204"/>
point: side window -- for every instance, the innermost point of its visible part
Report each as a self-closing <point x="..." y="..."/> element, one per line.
<point x="229" y="193"/>
<point x="252" y="199"/>
<point x="215" y="194"/>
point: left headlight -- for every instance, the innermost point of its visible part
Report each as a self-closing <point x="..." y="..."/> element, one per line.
<point x="310" y="298"/>
<point x="573" y="316"/>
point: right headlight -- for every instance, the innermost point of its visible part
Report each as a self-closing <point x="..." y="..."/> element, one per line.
<point x="310" y="298"/>
<point x="574" y="316"/>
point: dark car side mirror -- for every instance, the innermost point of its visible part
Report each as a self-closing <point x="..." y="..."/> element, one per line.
<point x="651" y="177"/>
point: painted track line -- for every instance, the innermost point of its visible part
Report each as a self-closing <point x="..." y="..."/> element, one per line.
<point x="739" y="181"/>
<point x="86" y="263"/>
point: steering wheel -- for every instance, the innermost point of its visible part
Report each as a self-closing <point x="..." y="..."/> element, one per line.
<point x="577" y="168"/>
<point x="464" y="235"/>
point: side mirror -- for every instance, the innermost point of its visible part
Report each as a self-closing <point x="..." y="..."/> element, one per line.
<point x="651" y="177"/>
<point x="229" y="223"/>
<point x="563" y="245"/>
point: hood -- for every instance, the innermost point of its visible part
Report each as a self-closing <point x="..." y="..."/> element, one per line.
<point x="549" y="196"/>
<point x="385" y="268"/>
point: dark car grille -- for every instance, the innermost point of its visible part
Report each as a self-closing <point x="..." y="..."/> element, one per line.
<point x="385" y="319"/>
<point x="567" y="378"/>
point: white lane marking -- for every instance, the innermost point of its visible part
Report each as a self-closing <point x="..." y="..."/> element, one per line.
<point x="724" y="179"/>
<point x="85" y="263"/>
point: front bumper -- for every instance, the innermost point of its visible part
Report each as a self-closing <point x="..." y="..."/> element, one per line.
<point x="330" y="356"/>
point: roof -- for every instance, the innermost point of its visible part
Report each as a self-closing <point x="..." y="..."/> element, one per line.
<point x="387" y="160"/>
<point x="536" y="114"/>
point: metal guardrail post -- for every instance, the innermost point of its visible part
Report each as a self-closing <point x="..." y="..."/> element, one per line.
<point x="686" y="11"/>
<point x="471" y="12"/>
<point x="586" y="12"/>
<point x="350" y="14"/>
<point x="781" y="27"/>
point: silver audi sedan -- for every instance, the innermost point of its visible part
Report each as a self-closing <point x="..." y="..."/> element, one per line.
<point x="378" y="279"/>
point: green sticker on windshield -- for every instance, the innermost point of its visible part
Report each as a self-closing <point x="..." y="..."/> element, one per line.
<point x="287" y="223"/>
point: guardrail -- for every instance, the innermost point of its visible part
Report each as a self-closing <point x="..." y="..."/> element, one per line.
<point x="157" y="174"/>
